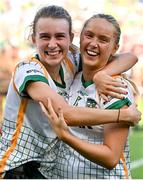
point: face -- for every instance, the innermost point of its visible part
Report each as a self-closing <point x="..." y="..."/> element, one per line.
<point x="97" y="43"/>
<point x="52" y="40"/>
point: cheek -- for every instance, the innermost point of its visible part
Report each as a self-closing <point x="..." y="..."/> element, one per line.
<point x="107" y="49"/>
<point x="42" y="46"/>
<point x="66" y="45"/>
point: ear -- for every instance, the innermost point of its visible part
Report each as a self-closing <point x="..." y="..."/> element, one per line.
<point x="71" y="37"/>
<point x="116" y="47"/>
<point x="33" y="39"/>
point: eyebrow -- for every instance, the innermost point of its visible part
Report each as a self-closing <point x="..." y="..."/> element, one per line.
<point x="101" y="35"/>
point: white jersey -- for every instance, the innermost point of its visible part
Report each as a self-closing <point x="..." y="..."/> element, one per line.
<point x="69" y="163"/>
<point x="26" y="132"/>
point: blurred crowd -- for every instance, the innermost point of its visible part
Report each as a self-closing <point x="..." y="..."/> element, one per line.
<point x="15" y="16"/>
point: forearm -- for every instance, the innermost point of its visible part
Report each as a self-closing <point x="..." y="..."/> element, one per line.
<point x="76" y="116"/>
<point x="99" y="154"/>
<point x="120" y="63"/>
<point x="106" y="154"/>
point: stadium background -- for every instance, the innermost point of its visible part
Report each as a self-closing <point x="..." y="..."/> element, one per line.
<point x="16" y="16"/>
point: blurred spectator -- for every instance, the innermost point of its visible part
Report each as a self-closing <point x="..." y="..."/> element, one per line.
<point x="137" y="49"/>
<point x="8" y="58"/>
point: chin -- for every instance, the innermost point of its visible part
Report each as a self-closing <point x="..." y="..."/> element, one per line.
<point x="92" y="62"/>
<point x="55" y="63"/>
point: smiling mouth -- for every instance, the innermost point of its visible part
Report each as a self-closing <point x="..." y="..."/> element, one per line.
<point x="52" y="53"/>
<point x="92" y="53"/>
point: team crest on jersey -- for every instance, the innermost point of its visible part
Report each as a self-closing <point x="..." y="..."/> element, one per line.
<point x="77" y="100"/>
<point x="82" y="94"/>
<point x="91" y="103"/>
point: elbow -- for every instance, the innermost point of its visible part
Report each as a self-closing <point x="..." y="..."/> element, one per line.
<point x="112" y="162"/>
<point x="133" y="57"/>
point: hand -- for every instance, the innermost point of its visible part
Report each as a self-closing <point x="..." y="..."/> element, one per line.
<point x="107" y="85"/>
<point x="56" y="119"/>
<point x="134" y="115"/>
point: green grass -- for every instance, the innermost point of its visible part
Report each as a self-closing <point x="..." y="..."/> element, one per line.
<point x="136" y="151"/>
<point x="140" y="107"/>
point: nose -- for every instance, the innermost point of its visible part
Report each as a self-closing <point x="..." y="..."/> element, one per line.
<point x="52" y="43"/>
<point x="94" y="42"/>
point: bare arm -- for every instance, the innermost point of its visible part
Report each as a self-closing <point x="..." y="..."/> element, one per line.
<point x="76" y="116"/>
<point x="107" y="155"/>
<point x="120" y="63"/>
<point x="107" y="85"/>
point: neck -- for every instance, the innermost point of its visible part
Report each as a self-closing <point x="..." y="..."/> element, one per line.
<point x="88" y="73"/>
<point x="54" y="73"/>
<point x="52" y="70"/>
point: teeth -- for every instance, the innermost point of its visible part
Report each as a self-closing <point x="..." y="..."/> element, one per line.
<point x="52" y="53"/>
<point x="92" y="53"/>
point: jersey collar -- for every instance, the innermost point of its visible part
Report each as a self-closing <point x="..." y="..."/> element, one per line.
<point x="85" y="83"/>
<point x="61" y="73"/>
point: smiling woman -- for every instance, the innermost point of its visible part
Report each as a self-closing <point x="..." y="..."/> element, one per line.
<point x="93" y="152"/>
<point x="52" y="67"/>
<point x="102" y="37"/>
<point x="27" y="136"/>
<point x="52" y="37"/>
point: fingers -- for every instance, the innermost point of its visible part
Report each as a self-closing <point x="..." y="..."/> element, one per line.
<point x="62" y="124"/>
<point x="104" y="97"/>
<point x="116" y="83"/>
<point x="50" y="107"/>
<point x="48" y="110"/>
<point x="60" y="113"/>
<point x="136" y="114"/>
<point x="117" y="90"/>
<point x="115" y="95"/>
<point x="119" y="94"/>
<point x="43" y="108"/>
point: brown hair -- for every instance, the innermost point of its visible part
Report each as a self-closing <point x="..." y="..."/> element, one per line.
<point x="110" y="19"/>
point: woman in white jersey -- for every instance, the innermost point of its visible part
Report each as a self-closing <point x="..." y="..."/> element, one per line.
<point x="101" y="152"/>
<point x="26" y="134"/>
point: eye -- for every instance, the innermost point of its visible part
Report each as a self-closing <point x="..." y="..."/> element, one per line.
<point x="45" y="37"/>
<point x="60" y="36"/>
<point x="104" y="39"/>
<point x="89" y="35"/>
